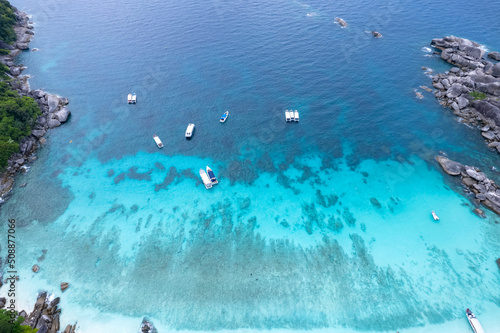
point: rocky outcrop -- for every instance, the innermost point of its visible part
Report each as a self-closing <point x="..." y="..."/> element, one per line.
<point x="494" y="55"/>
<point x="341" y="22"/>
<point x="472" y="89"/>
<point x="450" y="167"/>
<point x="64" y="286"/>
<point x="485" y="190"/>
<point x="54" y="111"/>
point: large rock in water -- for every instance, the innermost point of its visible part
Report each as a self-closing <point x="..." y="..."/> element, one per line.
<point x="53" y="101"/>
<point x="493" y="197"/>
<point x="479" y="176"/>
<point x="494" y="55"/>
<point x="53" y="123"/>
<point x="495" y="71"/>
<point x="62" y="115"/>
<point x="450" y="167"/>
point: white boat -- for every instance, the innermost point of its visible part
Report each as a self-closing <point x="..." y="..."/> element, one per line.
<point x="206" y="181"/>
<point x="287" y="116"/>
<point x="296" y="115"/>
<point x="189" y="130"/>
<point x="434" y="215"/>
<point x="134" y="98"/>
<point x="292" y="115"/>
<point x="223" y="118"/>
<point x="158" y="141"/>
<point x="211" y="175"/>
<point x="476" y="326"/>
<point x="129" y="98"/>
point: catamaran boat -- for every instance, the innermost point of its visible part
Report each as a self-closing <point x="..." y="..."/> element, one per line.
<point x="287" y="116"/>
<point x="223" y="118"/>
<point x="296" y="115"/>
<point x="134" y="98"/>
<point x="211" y="175"/>
<point x="158" y="141"/>
<point x="476" y="326"/>
<point x="206" y="181"/>
<point x="189" y="131"/>
<point x="129" y="98"/>
<point x="434" y="215"/>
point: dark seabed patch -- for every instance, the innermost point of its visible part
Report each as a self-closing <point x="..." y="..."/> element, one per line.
<point x="375" y="203"/>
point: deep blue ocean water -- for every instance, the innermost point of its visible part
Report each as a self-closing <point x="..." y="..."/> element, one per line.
<point x="322" y="225"/>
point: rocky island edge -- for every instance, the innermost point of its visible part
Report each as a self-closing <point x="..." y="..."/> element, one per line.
<point x="53" y="108"/>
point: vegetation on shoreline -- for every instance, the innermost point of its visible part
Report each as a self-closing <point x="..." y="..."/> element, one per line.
<point x="7" y="21"/>
<point x="478" y="95"/>
<point x="17" y="114"/>
<point x="7" y="325"/>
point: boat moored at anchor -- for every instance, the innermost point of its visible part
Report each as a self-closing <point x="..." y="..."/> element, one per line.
<point x="158" y="141"/>
<point x="189" y="131"/>
<point x="206" y="181"/>
<point x="212" y="177"/>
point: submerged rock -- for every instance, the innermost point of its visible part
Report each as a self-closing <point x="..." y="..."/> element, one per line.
<point x="375" y="203"/>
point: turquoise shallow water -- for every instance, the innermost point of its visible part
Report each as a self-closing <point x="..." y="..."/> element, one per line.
<point x="323" y="225"/>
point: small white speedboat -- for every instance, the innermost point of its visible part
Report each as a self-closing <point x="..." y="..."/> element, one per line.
<point x="158" y="141"/>
<point x="223" y="118"/>
<point x="189" y="131"/>
<point x="296" y="115"/>
<point x="434" y="215"/>
<point x="287" y="116"/>
<point x="211" y="175"/>
<point x="134" y="98"/>
<point x="206" y="181"/>
<point x="476" y="326"/>
<point x="129" y="98"/>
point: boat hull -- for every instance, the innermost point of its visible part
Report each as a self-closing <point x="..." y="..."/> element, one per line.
<point x="211" y="176"/>
<point x="205" y="179"/>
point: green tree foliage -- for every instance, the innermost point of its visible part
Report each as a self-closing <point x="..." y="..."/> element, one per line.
<point x="17" y="117"/>
<point x="478" y="95"/>
<point x="7" y="325"/>
<point x="7" y="21"/>
<point x="17" y="114"/>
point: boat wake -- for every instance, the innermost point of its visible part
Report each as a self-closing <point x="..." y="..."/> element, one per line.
<point x="426" y="49"/>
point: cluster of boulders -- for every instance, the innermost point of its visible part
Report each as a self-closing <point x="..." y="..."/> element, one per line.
<point x="472" y="89"/>
<point x="54" y="110"/>
<point x="45" y="315"/>
<point x="147" y="326"/>
<point x="484" y="189"/>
